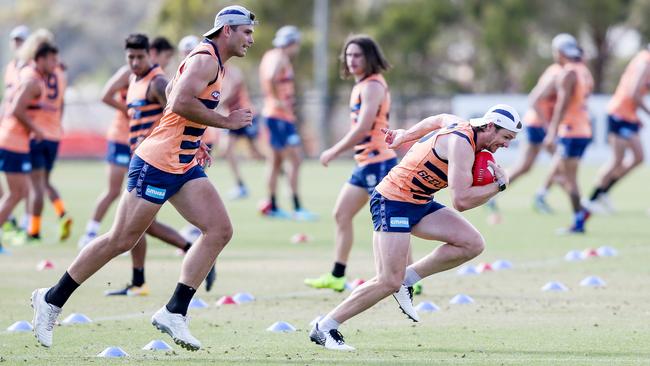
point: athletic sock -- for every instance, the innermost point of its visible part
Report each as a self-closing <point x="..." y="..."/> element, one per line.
<point x="59" y="207"/>
<point x="240" y="183"/>
<point x="339" y="269"/>
<point x="542" y="192"/>
<point x="274" y="206"/>
<point x="187" y="247"/>
<point x="327" y="323"/>
<point x="411" y="277"/>
<point x="24" y="222"/>
<point x="137" y="279"/>
<point x="296" y="202"/>
<point x="611" y="183"/>
<point x="594" y="196"/>
<point x="92" y="227"/>
<point x="34" y="229"/>
<point x="60" y="293"/>
<point x="181" y="298"/>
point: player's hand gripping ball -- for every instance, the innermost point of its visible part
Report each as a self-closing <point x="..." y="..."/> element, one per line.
<point x="483" y="174"/>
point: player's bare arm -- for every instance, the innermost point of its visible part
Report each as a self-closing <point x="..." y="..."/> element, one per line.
<point x="564" y="86"/>
<point x="643" y="76"/>
<point x="157" y="90"/>
<point x="544" y="88"/>
<point x="396" y="138"/>
<point x="183" y="99"/>
<point x="117" y="82"/>
<point x="26" y="92"/>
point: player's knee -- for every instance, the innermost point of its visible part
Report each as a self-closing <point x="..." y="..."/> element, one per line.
<point x="341" y="216"/>
<point x="474" y="246"/>
<point x="391" y="283"/>
<point x="220" y="234"/>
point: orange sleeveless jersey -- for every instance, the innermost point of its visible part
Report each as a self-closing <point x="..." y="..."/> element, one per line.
<point x="546" y="104"/>
<point x="278" y="88"/>
<point x="144" y="115"/>
<point x="421" y="173"/>
<point x="46" y="112"/>
<point x="14" y="136"/>
<point x="118" y="131"/>
<point x="172" y="145"/>
<point x="576" y="123"/>
<point x="622" y="104"/>
<point x="373" y="148"/>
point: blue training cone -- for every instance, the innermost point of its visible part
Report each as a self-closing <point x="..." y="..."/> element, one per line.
<point x="76" y="318"/>
<point x="243" y="297"/>
<point x="606" y="251"/>
<point x="197" y="303"/>
<point x="592" y="281"/>
<point x="461" y="299"/>
<point x="427" y="307"/>
<point x="573" y="256"/>
<point x="281" y="327"/>
<point x="20" y="326"/>
<point x="467" y="270"/>
<point x="113" y="352"/>
<point x="501" y="264"/>
<point x="555" y="286"/>
<point x="157" y="345"/>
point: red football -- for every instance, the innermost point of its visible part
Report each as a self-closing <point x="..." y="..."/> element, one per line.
<point x="483" y="174"/>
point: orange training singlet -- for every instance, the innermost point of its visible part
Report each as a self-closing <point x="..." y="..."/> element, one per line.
<point x="421" y="173"/>
<point x="144" y="115"/>
<point x="546" y="104"/>
<point x="576" y="123"/>
<point x="14" y="136"/>
<point x="118" y="131"/>
<point x="622" y="104"/>
<point x="279" y="88"/>
<point x="172" y="145"/>
<point x="373" y="148"/>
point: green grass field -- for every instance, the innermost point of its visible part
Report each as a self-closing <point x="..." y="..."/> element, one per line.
<point x="512" y="322"/>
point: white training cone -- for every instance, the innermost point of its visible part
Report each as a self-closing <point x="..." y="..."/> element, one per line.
<point x="467" y="270"/>
<point x="573" y="256"/>
<point x="197" y="303"/>
<point x="554" y="286"/>
<point x="76" y="318"/>
<point x="157" y="345"/>
<point x="461" y="299"/>
<point x="501" y="264"/>
<point x="606" y="251"/>
<point x="281" y="327"/>
<point x="315" y="320"/>
<point x="427" y="307"/>
<point x="113" y="352"/>
<point x="592" y="281"/>
<point x="20" y="326"/>
<point x="243" y="297"/>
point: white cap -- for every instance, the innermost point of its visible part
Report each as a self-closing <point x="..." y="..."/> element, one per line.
<point x="286" y="35"/>
<point x="231" y="15"/>
<point x="188" y="43"/>
<point x="20" y="32"/>
<point x="567" y="45"/>
<point x="501" y="115"/>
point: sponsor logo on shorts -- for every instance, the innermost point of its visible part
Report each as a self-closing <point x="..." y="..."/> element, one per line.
<point x="26" y="167"/>
<point x="371" y="180"/>
<point x="122" y="159"/>
<point x="155" y="192"/>
<point x="399" y="222"/>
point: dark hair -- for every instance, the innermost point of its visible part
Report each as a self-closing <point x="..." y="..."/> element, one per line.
<point x="375" y="60"/>
<point x="44" y="49"/>
<point x="137" y="41"/>
<point x="218" y="32"/>
<point x="161" y="44"/>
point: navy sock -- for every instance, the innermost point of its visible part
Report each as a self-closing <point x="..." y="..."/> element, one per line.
<point x="296" y="202"/>
<point x="273" y="203"/>
<point x="338" y="270"/>
<point x="138" y="277"/>
<point x="60" y="293"/>
<point x="187" y="247"/>
<point x="181" y="298"/>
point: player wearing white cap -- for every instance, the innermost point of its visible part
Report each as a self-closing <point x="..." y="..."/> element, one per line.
<point x="402" y="205"/>
<point x="167" y="165"/>
<point x="278" y="87"/>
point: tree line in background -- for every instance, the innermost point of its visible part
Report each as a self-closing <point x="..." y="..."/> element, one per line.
<point x="437" y="47"/>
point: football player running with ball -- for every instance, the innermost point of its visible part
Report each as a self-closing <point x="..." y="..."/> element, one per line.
<point x="402" y="204"/>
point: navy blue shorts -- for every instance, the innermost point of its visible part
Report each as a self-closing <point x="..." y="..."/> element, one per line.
<point x="536" y="135"/>
<point x="622" y="128"/>
<point x="118" y="154"/>
<point x="398" y="217"/>
<point x="368" y="176"/>
<point x="13" y="162"/>
<point x="43" y="154"/>
<point x="283" y="133"/>
<point x="250" y="132"/>
<point x="572" y="148"/>
<point x="157" y="186"/>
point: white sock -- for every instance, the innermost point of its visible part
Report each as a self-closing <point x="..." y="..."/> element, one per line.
<point x="411" y="277"/>
<point x="327" y="323"/>
<point x="24" y="222"/>
<point x="542" y="192"/>
<point x="92" y="227"/>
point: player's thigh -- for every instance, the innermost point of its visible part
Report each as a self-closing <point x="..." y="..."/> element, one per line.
<point x="448" y="226"/>
<point x="134" y="215"/>
<point x="200" y="204"/>
<point x="635" y="145"/>
<point x="350" y="201"/>
<point x="393" y="250"/>
<point x="116" y="175"/>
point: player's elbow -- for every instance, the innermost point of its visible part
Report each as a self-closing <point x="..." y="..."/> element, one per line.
<point x="178" y="105"/>
<point x="460" y="204"/>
